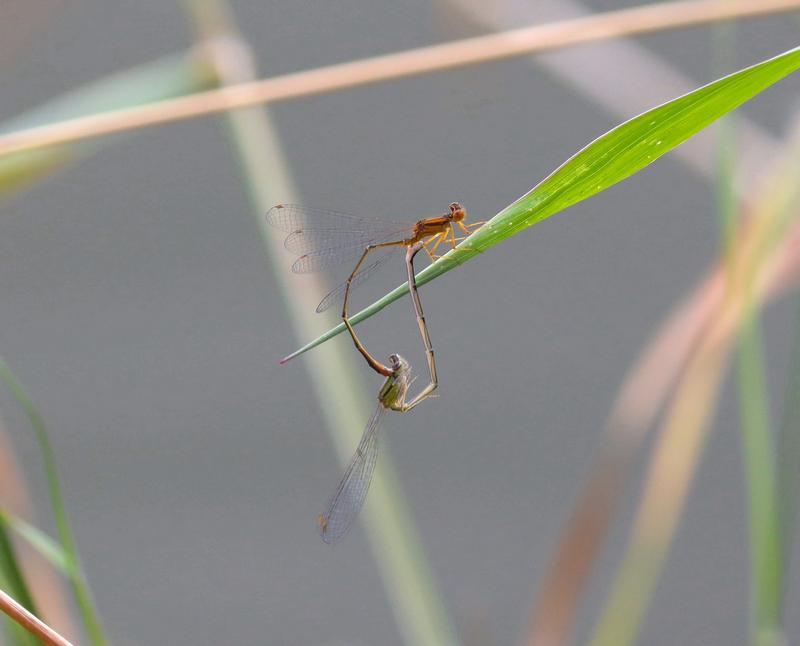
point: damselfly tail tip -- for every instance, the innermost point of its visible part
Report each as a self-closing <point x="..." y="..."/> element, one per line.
<point x="322" y="526"/>
<point x="289" y="357"/>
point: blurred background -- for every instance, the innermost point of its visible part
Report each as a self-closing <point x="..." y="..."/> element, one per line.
<point x="139" y="310"/>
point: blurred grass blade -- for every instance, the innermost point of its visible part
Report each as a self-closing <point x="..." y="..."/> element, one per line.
<point x="168" y="77"/>
<point x="758" y="450"/>
<point x="396" y="548"/>
<point x="789" y="460"/>
<point x="616" y="155"/>
<point x="80" y="588"/>
<point x="770" y="235"/>
<point x="675" y="459"/>
<point x="647" y="385"/>
<point x="13" y="579"/>
<point x="765" y="254"/>
<point x="772" y="475"/>
<point x="165" y="78"/>
<point x="40" y="541"/>
<point x="759" y="461"/>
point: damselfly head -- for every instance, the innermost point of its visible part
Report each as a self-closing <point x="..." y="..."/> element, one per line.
<point x="394" y="389"/>
<point x="398" y="364"/>
<point x="457" y="212"/>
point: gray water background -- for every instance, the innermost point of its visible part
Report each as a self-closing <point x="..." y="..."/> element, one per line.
<point x="139" y="311"/>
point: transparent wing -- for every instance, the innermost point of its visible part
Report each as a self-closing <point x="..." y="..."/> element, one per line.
<point x="349" y="496"/>
<point x="336" y="295"/>
<point x="324" y="238"/>
<point x="303" y="241"/>
<point x="323" y="259"/>
<point x="294" y="217"/>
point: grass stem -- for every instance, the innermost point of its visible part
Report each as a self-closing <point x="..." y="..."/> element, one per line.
<point x="470" y="51"/>
<point x="30" y="622"/>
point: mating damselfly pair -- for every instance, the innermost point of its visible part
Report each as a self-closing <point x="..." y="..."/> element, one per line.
<point x="325" y="239"/>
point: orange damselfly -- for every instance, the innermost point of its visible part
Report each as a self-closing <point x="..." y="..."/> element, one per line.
<point x="324" y="239"/>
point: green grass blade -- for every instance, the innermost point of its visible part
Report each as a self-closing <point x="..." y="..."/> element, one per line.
<point x="615" y="156"/>
<point x="14" y="580"/>
<point x="14" y="633"/>
<point x="789" y="460"/>
<point x="758" y="450"/>
<point x="759" y="462"/>
<point x="165" y="78"/>
<point x="41" y="542"/>
<point x="168" y="77"/>
<point x="80" y="588"/>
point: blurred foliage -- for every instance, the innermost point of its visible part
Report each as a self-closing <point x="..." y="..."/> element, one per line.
<point x="405" y="571"/>
<point x="162" y="79"/>
<point x="758" y="447"/>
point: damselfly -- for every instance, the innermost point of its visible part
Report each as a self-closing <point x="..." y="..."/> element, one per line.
<point x="351" y="492"/>
<point x="349" y="496"/>
<point x="323" y="239"/>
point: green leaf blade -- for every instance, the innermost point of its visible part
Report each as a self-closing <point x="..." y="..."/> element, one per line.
<point x="41" y="542"/>
<point x="613" y="157"/>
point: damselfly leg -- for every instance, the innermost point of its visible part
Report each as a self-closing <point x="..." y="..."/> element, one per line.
<point x="423" y="328"/>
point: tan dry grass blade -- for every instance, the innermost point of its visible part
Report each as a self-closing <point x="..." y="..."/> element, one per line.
<point x="593" y="73"/>
<point x="471" y="51"/>
<point x="30" y="622"/>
